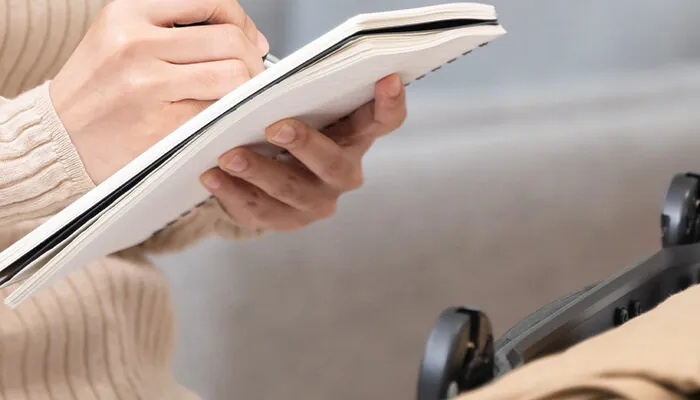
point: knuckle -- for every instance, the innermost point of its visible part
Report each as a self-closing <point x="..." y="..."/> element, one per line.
<point x="285" y="191"/>
<point x="327" y="209"/>
<point x="250" y="25"/>
<point x="289" y="226"/>
<point x="115" y="35"/>
<point x="210" y="77"/>
<point x="224" y="76"/>
<point x="299" y="221"/>
<point x="124" y="43"/>
<point x="233" y="74"/>
<point x="233" y="35"/>
<point x="120" y="41"/>
<point x="239" y="13"/>
<point x="338" y="168"/>
<point x="356" y="180"/>
<point x="255" y="211"/>
<point x="259" y="212"/>
<point x="240" y="215"/>
<point x="307" y="201"/>
<point x="262" y="216"/>
<point x="238" y="70"/>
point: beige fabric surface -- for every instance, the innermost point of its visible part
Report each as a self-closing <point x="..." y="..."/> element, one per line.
<point x="653" y="356"/>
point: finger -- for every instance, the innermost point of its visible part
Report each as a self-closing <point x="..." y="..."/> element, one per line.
<point x="248" y="205"/>
<point x="251" y="31"/>
<point x="319" y="153"/>
<point x="389" y="109"/>
<point x="386" y="113"/>
<point x="290" y="185"/>
<point x="208" y="81"/>
<point x="169" y="13"/>
<point x="195" y="44"/>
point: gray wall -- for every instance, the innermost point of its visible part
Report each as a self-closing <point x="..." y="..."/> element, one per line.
<point x="548" y="40"/>
<point x="554" y="182"/>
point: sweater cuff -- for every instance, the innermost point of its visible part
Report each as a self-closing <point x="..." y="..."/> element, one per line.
<point x="42" y="170"/>
<point x="63" y="145"/>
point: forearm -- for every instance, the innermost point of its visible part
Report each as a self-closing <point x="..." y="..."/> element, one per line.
<point x="40" y="170"/>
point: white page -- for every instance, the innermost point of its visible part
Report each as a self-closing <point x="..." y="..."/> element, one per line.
<point x="327" y="98"/>
<point x="56" y="223"/>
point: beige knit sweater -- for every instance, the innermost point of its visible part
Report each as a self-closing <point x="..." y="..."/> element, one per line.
<point x="105" y="332"/>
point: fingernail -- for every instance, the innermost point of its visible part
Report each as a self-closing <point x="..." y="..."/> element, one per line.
<point x="212" y="181"/>
<point x="237" y="163"/>
<point x="263" y="44"/>
<point x="284" y="135"/>
<point x="396" y="86"/>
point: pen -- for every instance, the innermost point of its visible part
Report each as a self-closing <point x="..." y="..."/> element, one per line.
<point x="269" y="60"/>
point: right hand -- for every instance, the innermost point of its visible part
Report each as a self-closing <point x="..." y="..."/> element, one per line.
<point x="135" y="78"/>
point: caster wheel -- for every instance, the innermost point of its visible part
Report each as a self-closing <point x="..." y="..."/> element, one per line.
<point x="680" y="224"/>
<point x="458" y="355"/>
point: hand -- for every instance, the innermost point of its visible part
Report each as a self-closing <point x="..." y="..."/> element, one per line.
<point x="135" y="78"/>
<point x="259" y="192"/>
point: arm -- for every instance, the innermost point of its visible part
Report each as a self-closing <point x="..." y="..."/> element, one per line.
<point x="133" y="79"/>
<point x="41" y="172"/>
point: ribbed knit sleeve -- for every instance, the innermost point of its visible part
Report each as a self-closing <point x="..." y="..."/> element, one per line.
<point x="41" y="170"/>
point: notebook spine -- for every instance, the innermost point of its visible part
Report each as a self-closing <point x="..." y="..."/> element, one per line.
<point x="440" y="66"/>
<point x="407" y="84"/>
<point x="181" y="216"/>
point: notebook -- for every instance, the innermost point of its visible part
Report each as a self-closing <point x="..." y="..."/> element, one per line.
<point x="319" y="83"/>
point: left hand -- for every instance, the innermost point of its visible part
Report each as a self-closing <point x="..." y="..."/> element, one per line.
<point x="262" y="193"/>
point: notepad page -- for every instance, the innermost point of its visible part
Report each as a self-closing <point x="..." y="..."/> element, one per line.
<point x="325" y="114"/>
<point x="102" y="191"/>
<point x="331" y="94"/>
<point x="83" y="204"/>
<point x="428" y="13"/>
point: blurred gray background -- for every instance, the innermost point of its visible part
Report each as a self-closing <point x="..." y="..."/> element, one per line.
<point x="533" y="167"/>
